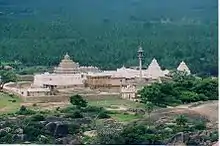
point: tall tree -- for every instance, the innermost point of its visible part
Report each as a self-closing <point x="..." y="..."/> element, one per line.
<point x="6" y="76"/>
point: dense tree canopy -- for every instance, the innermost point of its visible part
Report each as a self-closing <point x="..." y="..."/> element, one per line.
<point x="107" y="33"/>
<point x="185" y="90"/>
<point x="6" y="76"/>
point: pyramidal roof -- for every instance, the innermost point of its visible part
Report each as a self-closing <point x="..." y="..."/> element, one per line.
<point x="183" y="67"/>
<point x="154" y="69"/>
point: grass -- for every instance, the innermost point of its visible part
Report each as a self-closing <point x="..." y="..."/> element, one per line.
<point x="114" y="102"/>
<point x="121" y="117"/>
<point x="6" y="104"/>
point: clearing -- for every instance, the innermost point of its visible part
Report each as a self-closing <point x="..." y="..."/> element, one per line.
<point x="9" y="104"/>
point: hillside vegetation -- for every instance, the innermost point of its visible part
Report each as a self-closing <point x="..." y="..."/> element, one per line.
<point x="107" y="33"/>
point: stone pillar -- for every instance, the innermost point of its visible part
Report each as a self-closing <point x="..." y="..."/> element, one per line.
<point x="140" y="56"/>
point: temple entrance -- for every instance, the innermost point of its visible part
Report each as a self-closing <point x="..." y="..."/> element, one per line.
<point x="52" y="88"/>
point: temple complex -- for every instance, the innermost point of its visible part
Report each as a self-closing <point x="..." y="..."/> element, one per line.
<point x="126" y="81"/>
<point x="184" y="68"/>
<point x="68" y="74"/>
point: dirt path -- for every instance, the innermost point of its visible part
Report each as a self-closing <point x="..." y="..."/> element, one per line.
<point x="207" y="110"/>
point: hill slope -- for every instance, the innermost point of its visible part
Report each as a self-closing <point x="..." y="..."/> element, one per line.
<point x="107" y="33"/>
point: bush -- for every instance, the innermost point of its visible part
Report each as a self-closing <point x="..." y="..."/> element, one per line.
<point x="214" y="136"/>
<point x="33" y="130"/>
<point x="200" y="125"/>
<point x="181" y="120"/>
<point x="34" y="105"/>
<point x="103" y="115"/>
<point x="24" y="111"/>
<point x="78" y="101"/>
<point x="73" y="128"/>
<point x="92" y="109"/>
<point x="12" y="100"/>
<point x="203" y="97"/>
<point x="187" y="97"/>
<point x="68" y="109"/>
<point x="75" y="114"/>
<point x="37" y="118"/>
<point x="58" y="109"/>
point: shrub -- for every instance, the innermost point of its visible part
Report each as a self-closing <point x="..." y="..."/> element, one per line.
<point x="75" y="114"/>
<point x="58" y="109"/>
<point x="214" y="136"/>
<point x="34" y="105"/>
<point x="181" y="120"/>
<point x="200" y="125"/>
<point x="33" y="130"/>
<point x="78" y="101"/>
<point x="103" y="115"/>
<point x="73" y="128"/>
<point x="37" y="117"/>
<point x="202" y="97"/>
<point x="12" y="100"/>
<point x="92" y="109"/>
<point x="24" y="111"/>
<point x="68" y="109"/>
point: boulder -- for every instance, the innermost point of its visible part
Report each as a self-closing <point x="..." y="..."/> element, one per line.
<point x="61" y="129"/>
<point x="42" y="138"/>
<point x="2" y="123"/>
<point x="19" y="138"/>
<point x="3" y="132"/>
<point x="69" y="140"/>
<point x="75" y="141"/>
<point x="58" y="129"/>
<point x="19" y="131"/>
<point x="176" y="139"/>
<point x="43" y="123"/>
<point x="51" y="127"/>
<point x="170" y="124"/>
<point x="91" y="133"/>
<point x="7" y="129"/>
<point x="167" y="129"/>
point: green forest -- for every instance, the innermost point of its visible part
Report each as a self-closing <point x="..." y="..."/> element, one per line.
<point x="107" y="33"/>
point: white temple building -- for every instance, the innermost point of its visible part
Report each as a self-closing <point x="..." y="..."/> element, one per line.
<point x="183" y="67"/>
<point x="154" y="71"/>
<point x="128" y="92"/>
<point x="68" y="74"/>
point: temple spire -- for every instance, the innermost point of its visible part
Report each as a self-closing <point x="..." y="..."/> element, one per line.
<point x="67" y="57"/>
<point x="183" y="67"/>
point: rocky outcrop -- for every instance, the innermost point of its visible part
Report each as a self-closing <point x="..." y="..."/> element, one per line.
<point x="58" y="129"/>
<point x="191" y="138"/>
<point x="70" y="140"/>
<point x="19" y="138"/>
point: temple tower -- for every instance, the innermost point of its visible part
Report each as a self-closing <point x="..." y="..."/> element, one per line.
<point x="67" y="66"/>
<point x="184" y="68"/>
<point x="140" y="57"/>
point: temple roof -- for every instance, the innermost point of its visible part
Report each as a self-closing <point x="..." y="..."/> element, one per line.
<point x="154" y="69"/>
<point x="183" y="67"/>
<point x="67" y="57"/>
<point x="67" y="66"/>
